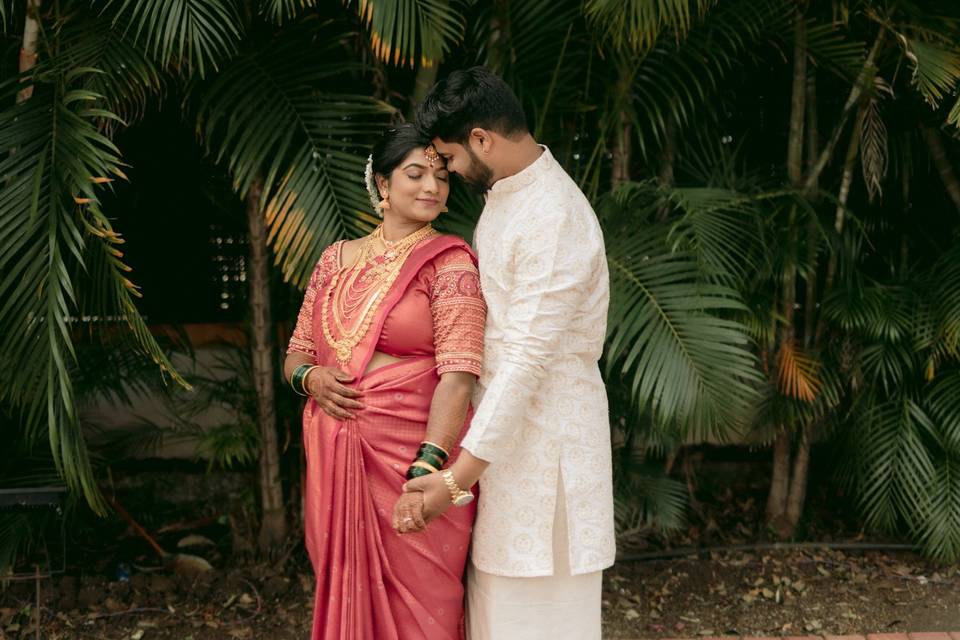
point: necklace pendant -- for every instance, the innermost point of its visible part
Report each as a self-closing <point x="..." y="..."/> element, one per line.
<point x="343" y="354"/>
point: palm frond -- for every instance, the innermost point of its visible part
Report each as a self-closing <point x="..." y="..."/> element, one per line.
<point x="895" y="467"/>
<point x="50" y="219"/>
<point x="939" y="528"/>
<point x="184" y="34"/>
<point x="721" y="227"/>
<point x="128" y="80"/>
<point x="278" y="11"/>
<point x="797" y="373"/>
<point x="266" y="116"/>
<point x="637" y="24"/>
<point x="936" y="68"/>
<point x="675" y="79"/>
<point x="649" y="501"/>
<point x="873" y="143"/>
<point x="687" y="363"/>
<point x="831" y="48"/>
<point x="405" y="32"/>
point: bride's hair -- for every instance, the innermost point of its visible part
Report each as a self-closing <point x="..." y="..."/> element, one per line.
<point x="393" y="147"/>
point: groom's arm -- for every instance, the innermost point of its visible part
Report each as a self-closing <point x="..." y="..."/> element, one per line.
<point x="555" y="269"/>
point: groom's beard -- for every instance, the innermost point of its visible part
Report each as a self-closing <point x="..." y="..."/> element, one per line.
<point x="480" y="176"/>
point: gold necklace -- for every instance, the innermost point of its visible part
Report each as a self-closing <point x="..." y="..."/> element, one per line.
<point x="364" y="289"/>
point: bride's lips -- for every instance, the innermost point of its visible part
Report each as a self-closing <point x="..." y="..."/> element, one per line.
<point x="428" y="202"/>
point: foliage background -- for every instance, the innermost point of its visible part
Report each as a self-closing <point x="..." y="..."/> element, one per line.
<point x="776" y="180"/>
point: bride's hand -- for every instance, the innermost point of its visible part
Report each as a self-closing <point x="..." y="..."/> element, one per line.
<point x="408" y="513"/>
<point x="436" y="495"/>
<point x="326" y="386"/>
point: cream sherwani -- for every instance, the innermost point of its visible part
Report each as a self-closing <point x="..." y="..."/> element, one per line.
<point x="541" y="415"/>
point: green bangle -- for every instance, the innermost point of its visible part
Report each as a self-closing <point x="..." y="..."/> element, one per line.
<point x="431" y="460"/>
<point x="416" y="472"/>
<point x="299" y="376"/>
<point x="429" y="447"/>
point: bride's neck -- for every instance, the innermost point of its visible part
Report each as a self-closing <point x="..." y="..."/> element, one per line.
<point x="394" y="230"/>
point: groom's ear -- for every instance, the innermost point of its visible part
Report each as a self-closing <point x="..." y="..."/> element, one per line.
<point x="482" y="139"/>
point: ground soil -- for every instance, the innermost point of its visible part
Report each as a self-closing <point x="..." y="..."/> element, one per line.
<point x="115" y="588"/>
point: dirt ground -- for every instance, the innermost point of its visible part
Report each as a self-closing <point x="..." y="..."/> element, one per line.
<point x="801" y="592"/>
<point x="115" y="588"/>
<point x="790" y="593"/>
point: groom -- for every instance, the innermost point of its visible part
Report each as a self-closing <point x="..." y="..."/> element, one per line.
<point x="539" y="441"/>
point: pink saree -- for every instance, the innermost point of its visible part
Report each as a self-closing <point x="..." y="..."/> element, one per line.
<point x="371" y="582"/>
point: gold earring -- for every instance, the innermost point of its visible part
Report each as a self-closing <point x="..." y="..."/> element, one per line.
<point x="385" y="203"/>
<point x="444" y="210"/>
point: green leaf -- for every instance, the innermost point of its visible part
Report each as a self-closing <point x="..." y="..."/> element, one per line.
<point x="183" y="34"/>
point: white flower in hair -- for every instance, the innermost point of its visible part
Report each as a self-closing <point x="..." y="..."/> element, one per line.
<point x="371" y="182"/>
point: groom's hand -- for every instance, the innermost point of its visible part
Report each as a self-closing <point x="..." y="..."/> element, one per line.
<point x="436" y="495"/>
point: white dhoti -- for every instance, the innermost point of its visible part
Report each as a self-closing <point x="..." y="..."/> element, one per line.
<point x="554" y="607"/>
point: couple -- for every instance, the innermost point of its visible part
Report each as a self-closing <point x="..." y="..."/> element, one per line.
<point x="394" y="332"/>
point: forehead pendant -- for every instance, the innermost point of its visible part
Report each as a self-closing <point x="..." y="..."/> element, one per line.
<point x="431" y="153"/>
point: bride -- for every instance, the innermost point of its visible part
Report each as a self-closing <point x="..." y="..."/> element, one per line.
<point x="388" y="346"/>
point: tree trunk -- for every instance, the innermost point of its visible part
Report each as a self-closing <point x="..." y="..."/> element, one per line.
<point x="849" y="164"/>
<point x="798" y="483"/>
<point x="624" y="131"/>
<point x="666" y="166"/>
<point x="941" y="161"/>
<point x="798" y="100"/>
<point x="855" y="92"/>
<point x="28" y="50"/>
<point x="273" y="526"/>
<point x="498" y="42"/>
<point x="779" y="478"/>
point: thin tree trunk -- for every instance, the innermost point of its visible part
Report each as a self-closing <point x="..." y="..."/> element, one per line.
<point x="813" y="232"/>
<point x="623" y="134"/>
<point x="499" y="38"/>
<point x="779" y="478"/>
<point x="798" y="483"/>
<point x="798" y="100"/>
<point x="28" y="50"/>
<point x="938" y="153"/>
<point x="855" y="92"/>
<point x="849" y="165"/>
<point x="273" y="527"/>
<point x="666" y="166"/>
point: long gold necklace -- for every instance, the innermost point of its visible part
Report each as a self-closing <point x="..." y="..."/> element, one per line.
<point x="364" y="289"/>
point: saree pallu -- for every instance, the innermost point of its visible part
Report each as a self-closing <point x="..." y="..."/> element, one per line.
<point x="373" y="583"/>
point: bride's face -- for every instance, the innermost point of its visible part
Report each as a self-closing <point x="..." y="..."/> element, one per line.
<point x="418" y="188"/>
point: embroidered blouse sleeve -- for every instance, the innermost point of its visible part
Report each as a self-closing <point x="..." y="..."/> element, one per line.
<point x="302" y="338"/>
<point x="459" y="313"/>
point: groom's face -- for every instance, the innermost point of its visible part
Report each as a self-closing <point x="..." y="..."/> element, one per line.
<point x="466" y="163"/>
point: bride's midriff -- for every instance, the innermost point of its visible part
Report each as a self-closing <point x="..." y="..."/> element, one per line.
<point x="380" y="359"/>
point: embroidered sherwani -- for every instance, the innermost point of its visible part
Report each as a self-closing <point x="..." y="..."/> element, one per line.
<point x="541" y="407"/>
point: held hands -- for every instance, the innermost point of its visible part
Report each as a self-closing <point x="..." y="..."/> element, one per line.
<point x="326" y="386"/>
<point x="422" y="500"/>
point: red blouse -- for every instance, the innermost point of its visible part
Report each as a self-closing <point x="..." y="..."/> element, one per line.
<point x="442" y="313"/>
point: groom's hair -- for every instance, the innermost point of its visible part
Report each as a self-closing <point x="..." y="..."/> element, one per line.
<point x="470" y="98"/>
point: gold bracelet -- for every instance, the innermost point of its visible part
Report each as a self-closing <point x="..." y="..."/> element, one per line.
<point x="424" y="465"/>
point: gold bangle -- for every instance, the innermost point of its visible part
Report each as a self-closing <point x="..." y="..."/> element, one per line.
<point x="424" y="465"/>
